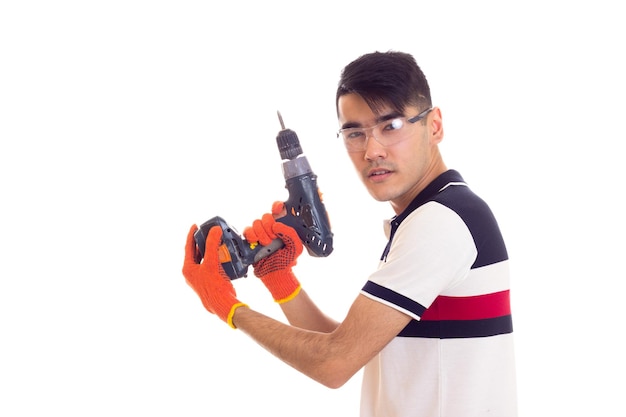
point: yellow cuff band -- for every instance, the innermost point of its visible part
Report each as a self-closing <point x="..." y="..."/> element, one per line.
<point x="291" y="296"/>
<point x="231" y="313"/>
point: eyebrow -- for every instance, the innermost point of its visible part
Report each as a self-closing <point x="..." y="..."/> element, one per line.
<point x="382" y="118"/>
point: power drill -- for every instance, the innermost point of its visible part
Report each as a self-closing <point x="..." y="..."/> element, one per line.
<point x="305" y="213"/>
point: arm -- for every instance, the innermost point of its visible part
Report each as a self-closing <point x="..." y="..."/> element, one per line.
<point x="329" y="358"/>
<point x="303" y="313"/>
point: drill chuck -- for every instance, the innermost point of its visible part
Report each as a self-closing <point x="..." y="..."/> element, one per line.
<point x="288" y="144"/>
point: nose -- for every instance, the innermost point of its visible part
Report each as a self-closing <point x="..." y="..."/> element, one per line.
<point x="373" y="149"/>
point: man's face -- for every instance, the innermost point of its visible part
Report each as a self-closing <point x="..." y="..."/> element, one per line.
<point x="398" y="172"/>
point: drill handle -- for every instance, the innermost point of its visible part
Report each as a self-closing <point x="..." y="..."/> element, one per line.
<point x="259" y="252"/>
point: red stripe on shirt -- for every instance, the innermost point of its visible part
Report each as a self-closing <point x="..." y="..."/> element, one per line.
<point x="478" y="307"/>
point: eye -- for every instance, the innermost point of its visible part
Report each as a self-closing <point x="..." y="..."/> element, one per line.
<point x="353" y="134"/>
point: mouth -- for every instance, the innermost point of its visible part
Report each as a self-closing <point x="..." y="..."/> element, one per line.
<point x="378" y="174"/>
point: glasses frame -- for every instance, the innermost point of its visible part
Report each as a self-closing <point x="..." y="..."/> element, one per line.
<point x="420" y="116"/>
<point x="411" y="120"/>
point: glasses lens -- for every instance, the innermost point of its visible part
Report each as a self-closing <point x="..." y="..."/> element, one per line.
<point x="354" y="138"/>
<point x="386" y="133"/>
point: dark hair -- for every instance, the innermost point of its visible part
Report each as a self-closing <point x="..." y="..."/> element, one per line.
<point x="385" y="79"/>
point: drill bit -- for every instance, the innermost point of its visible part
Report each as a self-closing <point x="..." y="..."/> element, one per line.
<point x="280" y="119"/>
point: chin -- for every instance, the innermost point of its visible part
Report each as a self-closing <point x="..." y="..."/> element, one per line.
<point x="382" y="197"/>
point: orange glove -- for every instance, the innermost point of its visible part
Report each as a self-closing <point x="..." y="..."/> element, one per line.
<point x="275" y="270"/>
<point x="208" y="279"/>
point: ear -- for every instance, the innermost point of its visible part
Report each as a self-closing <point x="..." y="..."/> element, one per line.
<point x="435" y="124"/>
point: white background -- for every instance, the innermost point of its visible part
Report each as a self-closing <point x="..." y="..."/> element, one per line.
<point x="124" y="122"/>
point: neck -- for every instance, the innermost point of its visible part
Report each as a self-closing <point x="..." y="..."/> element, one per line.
<point x="435" y="170"/>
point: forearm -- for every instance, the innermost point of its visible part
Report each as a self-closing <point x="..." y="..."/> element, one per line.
<point x="310" y="352"/>
<point x="302" y="312"/>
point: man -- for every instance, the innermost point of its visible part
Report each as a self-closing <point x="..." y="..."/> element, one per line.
<point x="432" y="326"/>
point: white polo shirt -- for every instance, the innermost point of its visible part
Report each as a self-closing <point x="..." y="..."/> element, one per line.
<point x="446" y="266"/>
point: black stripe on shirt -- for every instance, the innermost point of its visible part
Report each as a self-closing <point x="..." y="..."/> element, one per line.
<point x="393" y="297"/>
<point x="455" y="329"/>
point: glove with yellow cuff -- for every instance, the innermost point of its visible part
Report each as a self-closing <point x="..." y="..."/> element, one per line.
<point x="275" y="271"/>
<point x="208" y="279"/>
